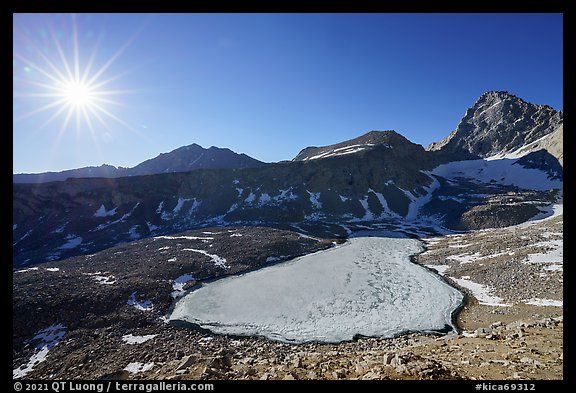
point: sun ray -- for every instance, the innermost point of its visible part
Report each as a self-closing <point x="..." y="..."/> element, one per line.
<point x="78" y="88"/>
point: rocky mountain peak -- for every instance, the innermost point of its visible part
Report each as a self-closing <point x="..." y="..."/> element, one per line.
<point x="371" y="140"/>
<point x="498" y="123"/>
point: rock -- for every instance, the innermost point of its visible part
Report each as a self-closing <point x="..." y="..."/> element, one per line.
<point x="482" y="332"/>
<point x="387" y="358"/>
<point x="370" y="375"/>
<point x="297" y="362"/>
<point x="526" y="360"/>
<point x="289" y="377"/>
<point x="361" y="367"/>
<point x="186" y="362"/>
<point x="339" y="374"/>
<point x="311" y="375"/>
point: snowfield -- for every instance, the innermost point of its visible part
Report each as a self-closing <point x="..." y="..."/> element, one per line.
<point x="368" y="286"/>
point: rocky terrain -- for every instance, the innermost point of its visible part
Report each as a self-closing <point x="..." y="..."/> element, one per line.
<point x="105" y="337"/>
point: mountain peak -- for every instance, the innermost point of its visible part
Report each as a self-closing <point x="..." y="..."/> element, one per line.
<point x="368" y="141"/>
<point x="497" y="123"/>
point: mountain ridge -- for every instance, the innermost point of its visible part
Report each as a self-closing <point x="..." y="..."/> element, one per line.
<point x="182" y="159"/>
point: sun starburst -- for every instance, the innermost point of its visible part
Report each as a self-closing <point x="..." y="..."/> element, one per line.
<point x="66" y="85"/>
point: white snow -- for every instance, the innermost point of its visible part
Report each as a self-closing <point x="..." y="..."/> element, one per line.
<point x="218" y="261"/>
<point x="499" y="171"/>
<point x="73" y="242"/>
<point x="545" y="302"/>
<point x="480" y="292"/>
<point x="102" y="212"/>
<point x="250" y="198"/>
<point x="26" y="270"/>
<point x="47" y="339"/>
<point x="133" y="232"/>
<point x="343" y="198"/>
<point x="137" y="367"/>
<point x="130" y="339"/>
<point x="367" y="286"/>
<point x="554" y="256"/>
<point x="179" y="283"/>
<point x="315" y="199"/>
<point x="14" y="226"/>
<point x="152" y="227"/>
<point x="236" y="235"/>
<point x="53" y="269"/>
<point x="105" y="280"/>
<point x="264" y="199"/>
<point x="441" y="269"/>
<point x="184" y="237"/>
<point x="179" y="205"/>
<point x="342" y="151"/>
<point x="145" y="305"/>
<point x="416" y="203"/>
<point x="121" y="219"/>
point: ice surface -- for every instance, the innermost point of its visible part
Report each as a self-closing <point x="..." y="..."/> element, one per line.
<point x="367" y="286"/>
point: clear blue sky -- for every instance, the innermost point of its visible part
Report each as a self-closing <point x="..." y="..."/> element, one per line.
<point x="266" y="85"/>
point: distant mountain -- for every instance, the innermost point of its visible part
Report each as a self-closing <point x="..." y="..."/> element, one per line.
<point x="183" y="159"/>
<point x="498" y="123"/>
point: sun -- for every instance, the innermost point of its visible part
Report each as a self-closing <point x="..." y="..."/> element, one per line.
<point x="79" y="95"/>
<point x="72" y="84"/>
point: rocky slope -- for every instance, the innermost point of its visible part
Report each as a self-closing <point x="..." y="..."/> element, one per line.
<point x="498" y="123"/>
<point x="183" y="159"/>
<point x="100" y="317"/>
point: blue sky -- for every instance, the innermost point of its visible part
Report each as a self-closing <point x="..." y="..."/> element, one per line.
<point x="266" y="85"/>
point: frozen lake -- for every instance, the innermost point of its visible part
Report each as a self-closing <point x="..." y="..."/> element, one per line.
<point x="367" y="286"/>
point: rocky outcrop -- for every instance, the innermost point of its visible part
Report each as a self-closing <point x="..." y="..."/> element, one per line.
<point x="498" y="123"/>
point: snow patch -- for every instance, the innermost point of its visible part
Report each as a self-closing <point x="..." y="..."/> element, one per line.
<point x="315" y="199"/>
<point x="137" y="367"/>
<point x="545" y="302"/>
<point x="145" y="305"/>
<point x="218" y="261"/>
<point x="102" y="212"/>
<point x="499" y="171"/>
<point x="26" y="270"/>
<point x="73" y="242"/>
<point x="130" y="339"/>
<point x="184" y="237"/>
<point x="480" y="292"/>
<point x="179" y="283"/>
<point x="47" y="339"/>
